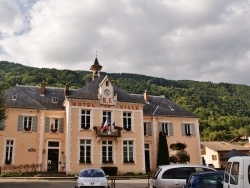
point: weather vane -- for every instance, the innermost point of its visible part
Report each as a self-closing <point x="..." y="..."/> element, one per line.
<point x="96" y="53"/>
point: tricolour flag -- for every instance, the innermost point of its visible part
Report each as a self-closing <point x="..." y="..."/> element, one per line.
<point x="106" y="123"/>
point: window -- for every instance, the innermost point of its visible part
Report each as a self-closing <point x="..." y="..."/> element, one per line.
<point x="9" y="151"/>
<point x="85" y="151"/>
<point x="27" y="123"/>
<point x="85" y="119"/>
<point x="54" y="125"/>
<point x="107" y="152"/>
<point x="188" y="129"/>
<point x="147" y="129"/>
<point x="14" y="97"/>
<point x="55" y="100"/>
<point x="128" y="154"/>
<point x="127" y="123"/>
<point x="214" y="157"/>
<point x="227" y="172"/>
<point x="235" y="173"/>
<point x="166" y="128"/>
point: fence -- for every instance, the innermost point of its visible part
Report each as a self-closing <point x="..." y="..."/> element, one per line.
<point x="113" y="179"/>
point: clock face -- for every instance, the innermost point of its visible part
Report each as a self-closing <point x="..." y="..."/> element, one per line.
<point x="107" y="92"/>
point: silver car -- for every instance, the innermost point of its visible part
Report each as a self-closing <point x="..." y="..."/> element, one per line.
<point x="92" y="177"/>
<point x="174" y="176"/>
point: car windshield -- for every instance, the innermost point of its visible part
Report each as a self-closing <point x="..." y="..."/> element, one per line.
<point x="92" y="173"/>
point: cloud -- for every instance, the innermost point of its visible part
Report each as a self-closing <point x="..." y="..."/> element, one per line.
<point x="196" y="40"/>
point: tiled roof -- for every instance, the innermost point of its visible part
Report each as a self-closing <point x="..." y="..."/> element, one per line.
<point x="161" y="106"/>
<point x="30" y="97"/>
<point x="223" y="146"/>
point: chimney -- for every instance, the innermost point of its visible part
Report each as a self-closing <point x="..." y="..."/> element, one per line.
<point x="146" y="96"/>
<point x="43" y="88"/>
<point x="66" y="90"/>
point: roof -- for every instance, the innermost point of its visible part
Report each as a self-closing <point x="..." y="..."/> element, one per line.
<point x="22" y="96"/>
<point x="30" y="97"/>
<point x="233" y="153"/>
<point x="223" y="146"/>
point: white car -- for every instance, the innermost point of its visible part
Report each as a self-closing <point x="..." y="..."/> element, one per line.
<point x="174" y="176"/>
<point x="92" y="177"/>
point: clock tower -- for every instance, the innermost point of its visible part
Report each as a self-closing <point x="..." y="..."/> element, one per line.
<point x="106" y="92"/>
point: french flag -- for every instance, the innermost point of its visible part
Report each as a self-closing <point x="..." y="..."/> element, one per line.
<point x="106" y="123"/>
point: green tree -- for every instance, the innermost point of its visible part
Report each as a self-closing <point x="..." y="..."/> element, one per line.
<point x="163" y="153"/>
<point x="2" y="110"/>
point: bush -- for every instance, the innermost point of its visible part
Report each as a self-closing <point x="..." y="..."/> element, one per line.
<point x="110" y="170"/>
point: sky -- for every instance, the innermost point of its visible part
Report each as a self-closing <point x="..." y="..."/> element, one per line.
<point x="200" y="40"/>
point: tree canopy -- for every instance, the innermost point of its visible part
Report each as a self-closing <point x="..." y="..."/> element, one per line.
<point x="223" y="108"/>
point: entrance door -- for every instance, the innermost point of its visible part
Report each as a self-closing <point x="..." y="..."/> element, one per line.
<point x="53" y="155"/>
<point x="147" y="158"/>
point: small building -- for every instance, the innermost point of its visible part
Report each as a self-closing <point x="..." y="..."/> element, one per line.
<point x="212" y="152"/>
<point x="65" y="130"/>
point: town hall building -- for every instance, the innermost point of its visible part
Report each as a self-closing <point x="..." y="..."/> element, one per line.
<point x="65" y="130"/>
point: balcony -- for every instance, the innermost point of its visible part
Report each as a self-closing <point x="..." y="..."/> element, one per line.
<point x="109" y="132"/>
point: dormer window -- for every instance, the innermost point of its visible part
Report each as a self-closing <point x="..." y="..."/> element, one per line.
<point x="14" y="97"/>
<point x="55" y="100"/>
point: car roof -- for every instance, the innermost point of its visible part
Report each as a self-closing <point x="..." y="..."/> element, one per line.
<point x="98" y="169"/>
<point x="207" y="173"/>
<point x="184" y="165"/>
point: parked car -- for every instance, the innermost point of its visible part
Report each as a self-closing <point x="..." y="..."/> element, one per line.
<point x="206" y="179"/>
<point x="167" y="176"/>
<point x="92" y="177"/>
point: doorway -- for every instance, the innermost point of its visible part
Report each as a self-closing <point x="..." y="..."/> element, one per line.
<point x="147" y="157"/>
<point x="53" y="156"/>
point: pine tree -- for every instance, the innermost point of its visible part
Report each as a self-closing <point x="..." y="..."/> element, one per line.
<point x="2" y="107"/>
<point x="163" y="153"/>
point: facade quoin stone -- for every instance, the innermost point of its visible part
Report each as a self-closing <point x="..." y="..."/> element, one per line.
<point x="98" y="125"/>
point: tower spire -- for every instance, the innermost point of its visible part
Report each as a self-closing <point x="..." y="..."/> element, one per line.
<point x="96" y="67"/>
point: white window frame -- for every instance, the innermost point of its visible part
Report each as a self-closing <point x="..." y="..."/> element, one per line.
<point x="5" y="150"/>
<point x="87" y="144"/>
<point x="54" y="99"/>
<point x="108" y="145"/>
<point x="87" y="119"/>
<point x="127" y="120"/>
<point x="27" y="123"/>
<point x="165" y="128"/>
<point x="128" y="152"/>
<point x="54" y="125"/>
<point x="188" y="129"/>
<point x="147" y="129"/>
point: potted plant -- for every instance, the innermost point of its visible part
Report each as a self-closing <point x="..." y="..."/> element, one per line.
<point x="178" y="146"/>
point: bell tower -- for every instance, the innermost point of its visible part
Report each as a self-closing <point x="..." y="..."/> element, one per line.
<point x="96" y="68"/>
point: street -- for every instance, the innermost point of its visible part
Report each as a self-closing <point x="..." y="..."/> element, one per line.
<point x="28" y="183"/>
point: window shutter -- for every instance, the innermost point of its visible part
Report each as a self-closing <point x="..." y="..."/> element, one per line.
<point x="183" y="129"/>
<point x="1" y="124"/>
<point x="61" y="121"/>
<point x="20" y="123"/>
<point x="149" y="127"/>
<point x="34" y="124"/>
<point x="47" y="124"/>
<point x="192" y="128"/>
<point x="171" y="131"/>
<point x="160" y="127"/>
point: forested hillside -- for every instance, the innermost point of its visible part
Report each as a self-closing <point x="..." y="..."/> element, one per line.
<point x="223" y="108"/>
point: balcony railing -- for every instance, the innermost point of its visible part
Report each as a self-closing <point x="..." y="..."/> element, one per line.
<point x="109" y="132"/>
